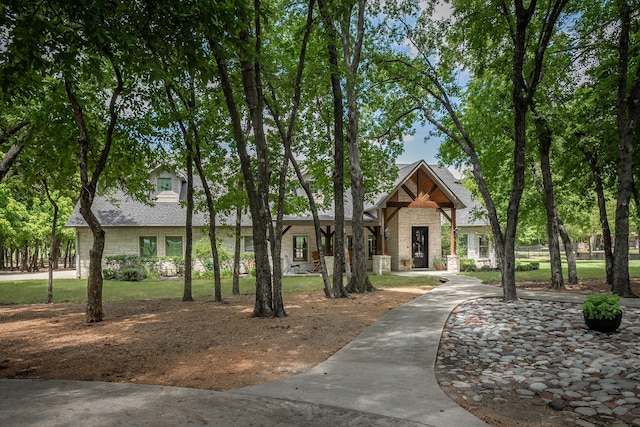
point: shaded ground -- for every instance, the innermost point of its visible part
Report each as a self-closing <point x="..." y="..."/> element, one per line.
<point x="216" y="346"/>
<point x="202" y="344"/>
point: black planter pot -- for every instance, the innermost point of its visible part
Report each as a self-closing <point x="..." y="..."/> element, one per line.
<point x="603" y="325"/>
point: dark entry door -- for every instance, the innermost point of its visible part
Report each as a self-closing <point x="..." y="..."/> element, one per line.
<point x="420" y="246"/>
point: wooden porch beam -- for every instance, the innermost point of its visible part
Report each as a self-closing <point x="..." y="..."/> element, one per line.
<point x="453" y="231"/>
<point x="328" y="248"/>
<point x="408" y="191"/>
<point x="427" y="195"/>
<point x="445" y="215"/>
<point x="398" y="204"/>
<point x="387" y="219"/>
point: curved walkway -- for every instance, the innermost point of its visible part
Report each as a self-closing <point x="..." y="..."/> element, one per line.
<point x="385" y="377"/>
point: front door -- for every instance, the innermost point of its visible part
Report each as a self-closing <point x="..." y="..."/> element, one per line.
<point x="419" y="246"/>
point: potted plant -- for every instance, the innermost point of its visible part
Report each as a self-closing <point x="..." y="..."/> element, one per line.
<point x="406" y="262"/>
<point x="602" y="312"/>
<point x="438" y="263"/>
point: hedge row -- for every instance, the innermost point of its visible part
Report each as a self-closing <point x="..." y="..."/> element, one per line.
<point x="132" y="268"/>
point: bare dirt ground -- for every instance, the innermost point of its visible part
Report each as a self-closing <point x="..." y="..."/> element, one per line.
<point x="216" y="346"/>
<point x="201" y="344"/>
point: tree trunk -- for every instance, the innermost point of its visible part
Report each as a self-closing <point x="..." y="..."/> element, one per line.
<point x="276" y="234"/>
<point x="592" y="160"/>
<point x="188" y="250"/>
<point x="543" y="132"/>
<point x="235" y="286"/>
<point x="287" y="136"/>
<point x="52" y="247"/>
<point x="35" y="259"/>
<point x="359" y="280"/>
<point x="94" y="311"/>
<point x="257" y="189"/>
<point x="212" y="216"/>
<point x="572" y="269"/>
<point x="338" y="154"/>
<point x="628" y="113"/>
<point x="329" y="290"/>
<point x="67" y="255"/>
<point x="523" y="90"/>
<point x="14" y="151"/>
<point x="9" y="158"/>
<point x="88" y="187"/>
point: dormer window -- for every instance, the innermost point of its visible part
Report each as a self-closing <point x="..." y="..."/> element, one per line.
<point x="164" y="184"/>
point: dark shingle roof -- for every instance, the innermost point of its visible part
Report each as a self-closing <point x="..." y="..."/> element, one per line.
<point x="131" y="213"/>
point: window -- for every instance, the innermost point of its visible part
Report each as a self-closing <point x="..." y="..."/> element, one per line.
<point x="173" y="246"/>
<point x="462" y="245"/>
<point x="372" y="244"/>
<point x="248" y="244"/>
<point x="300" y="248"/>
<point x="483" y="246"/>
<point x="164" y="184"/>
<point x="148" y="247"/>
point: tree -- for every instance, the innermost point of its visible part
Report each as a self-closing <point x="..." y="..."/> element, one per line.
<point x="609" y="54"/>
<point x="79" y="53"/>
<point x="14" y="150"/>
<point x="247" y="37"/>
<point x="522" y="30"/>
<point x="544" y="134"/>
<point x="340" y="24"/>
<point x="332" y="37"/>
<point x="628" y="113"/>
<point x="286" y="127"/>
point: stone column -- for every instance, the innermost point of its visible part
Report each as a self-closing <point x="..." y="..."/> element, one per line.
<point x="453" y="264"/>
<point x="381" y="264"/>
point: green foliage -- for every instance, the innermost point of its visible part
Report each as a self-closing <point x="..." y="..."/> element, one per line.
<point x="601" y="306"/>
<point x="133" y="274"/>
<point x="439" y="261"/>
<point x="467" y="264"/>
<point x="527" y="266"/>
<point x="122" y="267"/>
<point x="109" y="274"/>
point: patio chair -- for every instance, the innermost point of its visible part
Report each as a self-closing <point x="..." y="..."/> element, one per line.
<point x="315" y="257"/>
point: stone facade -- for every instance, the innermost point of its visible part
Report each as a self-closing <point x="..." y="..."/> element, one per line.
<point x="412" y="211"/>
<point x="399" y="241"/>
<point x="126" y="241"/>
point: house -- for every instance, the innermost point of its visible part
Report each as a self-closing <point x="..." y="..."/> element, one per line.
<point x="404" y="224"/>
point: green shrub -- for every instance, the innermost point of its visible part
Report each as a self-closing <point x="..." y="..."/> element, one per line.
<point x="601" y="306"/>
<point x="207" y="274"/>
<point x="134" y="275"/>
<point x="467" y="264"/>
<point x="529" y="266"/>
<point x="486" y="268"/>
<point x="109" y="274"/>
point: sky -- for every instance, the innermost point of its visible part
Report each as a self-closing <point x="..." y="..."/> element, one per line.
<point x="417" y="148"/>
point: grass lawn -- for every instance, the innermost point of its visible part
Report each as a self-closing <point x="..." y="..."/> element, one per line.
<point x="586" y="270"/>
<point x="75" y="290"/>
